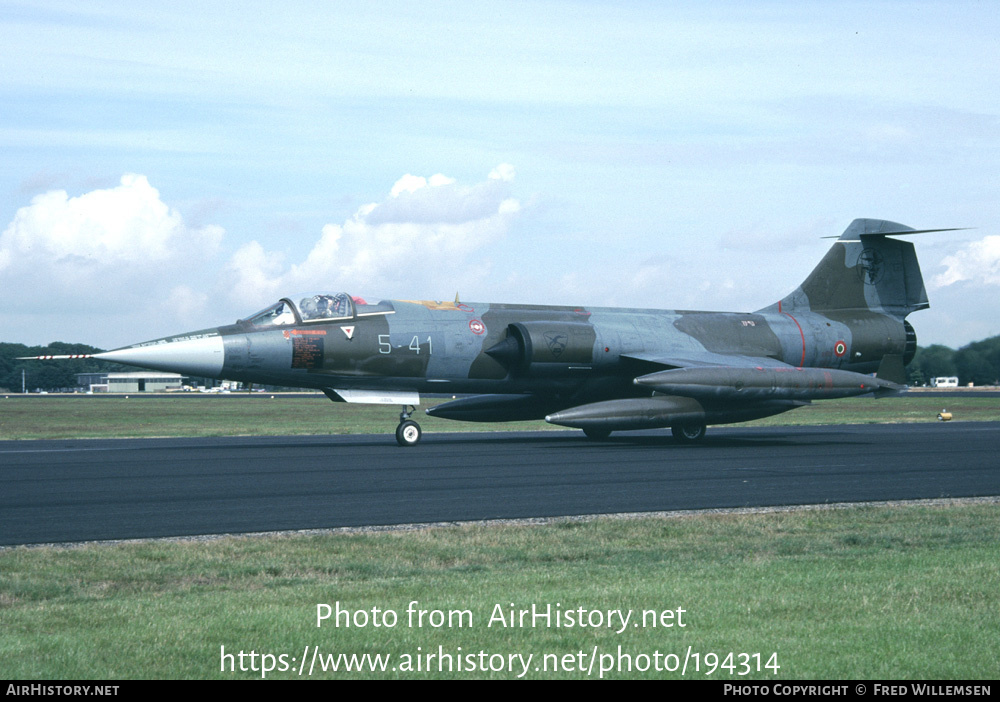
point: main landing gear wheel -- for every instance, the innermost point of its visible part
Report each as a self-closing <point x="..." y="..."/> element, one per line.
<point x="688" y="433"/>
<point x="408" y="431"/>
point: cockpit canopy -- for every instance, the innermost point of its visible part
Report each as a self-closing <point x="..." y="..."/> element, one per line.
<point x="316" y="307"/>
<point x="322" y="306"/>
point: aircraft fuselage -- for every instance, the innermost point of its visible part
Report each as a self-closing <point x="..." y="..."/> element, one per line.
<point x="430" y="347"/>
<point x="600" y="369"/>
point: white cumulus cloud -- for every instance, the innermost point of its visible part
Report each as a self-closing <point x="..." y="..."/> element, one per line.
<point x="120" y="249"/>
<point x="121" y="264"/>
<point x="124" y="225"/>
<point x="978" y="263"/>
<point x="425" y="234"/>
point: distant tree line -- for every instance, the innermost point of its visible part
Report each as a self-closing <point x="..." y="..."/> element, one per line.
<point x="48" y="375"/>
<point x="977" y="363"/>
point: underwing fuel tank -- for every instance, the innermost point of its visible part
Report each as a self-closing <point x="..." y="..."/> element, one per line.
<point x="493" y="408"/>
<point x="724" y="383"/>
<point x="635" y="413"/>
<point x="663" y="411"/>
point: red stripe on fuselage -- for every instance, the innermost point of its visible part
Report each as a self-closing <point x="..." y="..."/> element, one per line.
<point x="802" y="362"/>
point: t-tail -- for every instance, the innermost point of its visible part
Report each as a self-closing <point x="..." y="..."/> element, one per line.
<point x="865" y="270"/>
<point x="866" y="285"/>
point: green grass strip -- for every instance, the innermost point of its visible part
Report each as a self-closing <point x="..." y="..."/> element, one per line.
<point x="74" y="417"/>
<point x="873" y="592"/>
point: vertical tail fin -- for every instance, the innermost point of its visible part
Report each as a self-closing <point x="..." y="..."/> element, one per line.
<point x="865" y="270"/>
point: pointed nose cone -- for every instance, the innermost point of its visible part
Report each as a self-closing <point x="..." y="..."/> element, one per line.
<point x="199" y="354"/>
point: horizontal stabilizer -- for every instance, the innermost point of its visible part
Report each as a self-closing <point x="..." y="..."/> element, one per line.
<point x="881" y="227"/>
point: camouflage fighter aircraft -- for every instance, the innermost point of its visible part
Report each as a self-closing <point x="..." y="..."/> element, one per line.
<point x="596" y="369"/>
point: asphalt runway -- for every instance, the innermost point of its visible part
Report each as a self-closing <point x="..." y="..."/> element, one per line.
<point x="82" y="490"/>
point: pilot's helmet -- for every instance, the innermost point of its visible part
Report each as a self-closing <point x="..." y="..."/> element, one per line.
<point x="308" y="306"/>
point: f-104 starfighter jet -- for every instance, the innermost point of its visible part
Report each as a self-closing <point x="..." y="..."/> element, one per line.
<point x="593" y="368"/>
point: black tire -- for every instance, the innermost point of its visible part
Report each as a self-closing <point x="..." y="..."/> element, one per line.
<point x="597" y="434"/>
<point x="688" y="433"/>
<point x="408" y="433"/>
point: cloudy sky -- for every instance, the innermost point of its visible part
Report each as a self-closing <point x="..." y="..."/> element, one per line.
<point x="175" y="166"/>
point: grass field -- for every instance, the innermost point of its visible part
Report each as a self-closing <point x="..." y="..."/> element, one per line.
<point x="891" y="592"/>
<point x="90" y="416"/>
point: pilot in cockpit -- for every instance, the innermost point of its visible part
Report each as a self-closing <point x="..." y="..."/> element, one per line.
<point x="326" y="306"/>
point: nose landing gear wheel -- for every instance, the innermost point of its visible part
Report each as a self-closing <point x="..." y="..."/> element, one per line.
<point x="688" y="433"/>
<point x="408" y="433"/>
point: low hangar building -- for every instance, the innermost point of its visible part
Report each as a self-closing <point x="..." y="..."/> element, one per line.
<point x="139" y="381"/>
